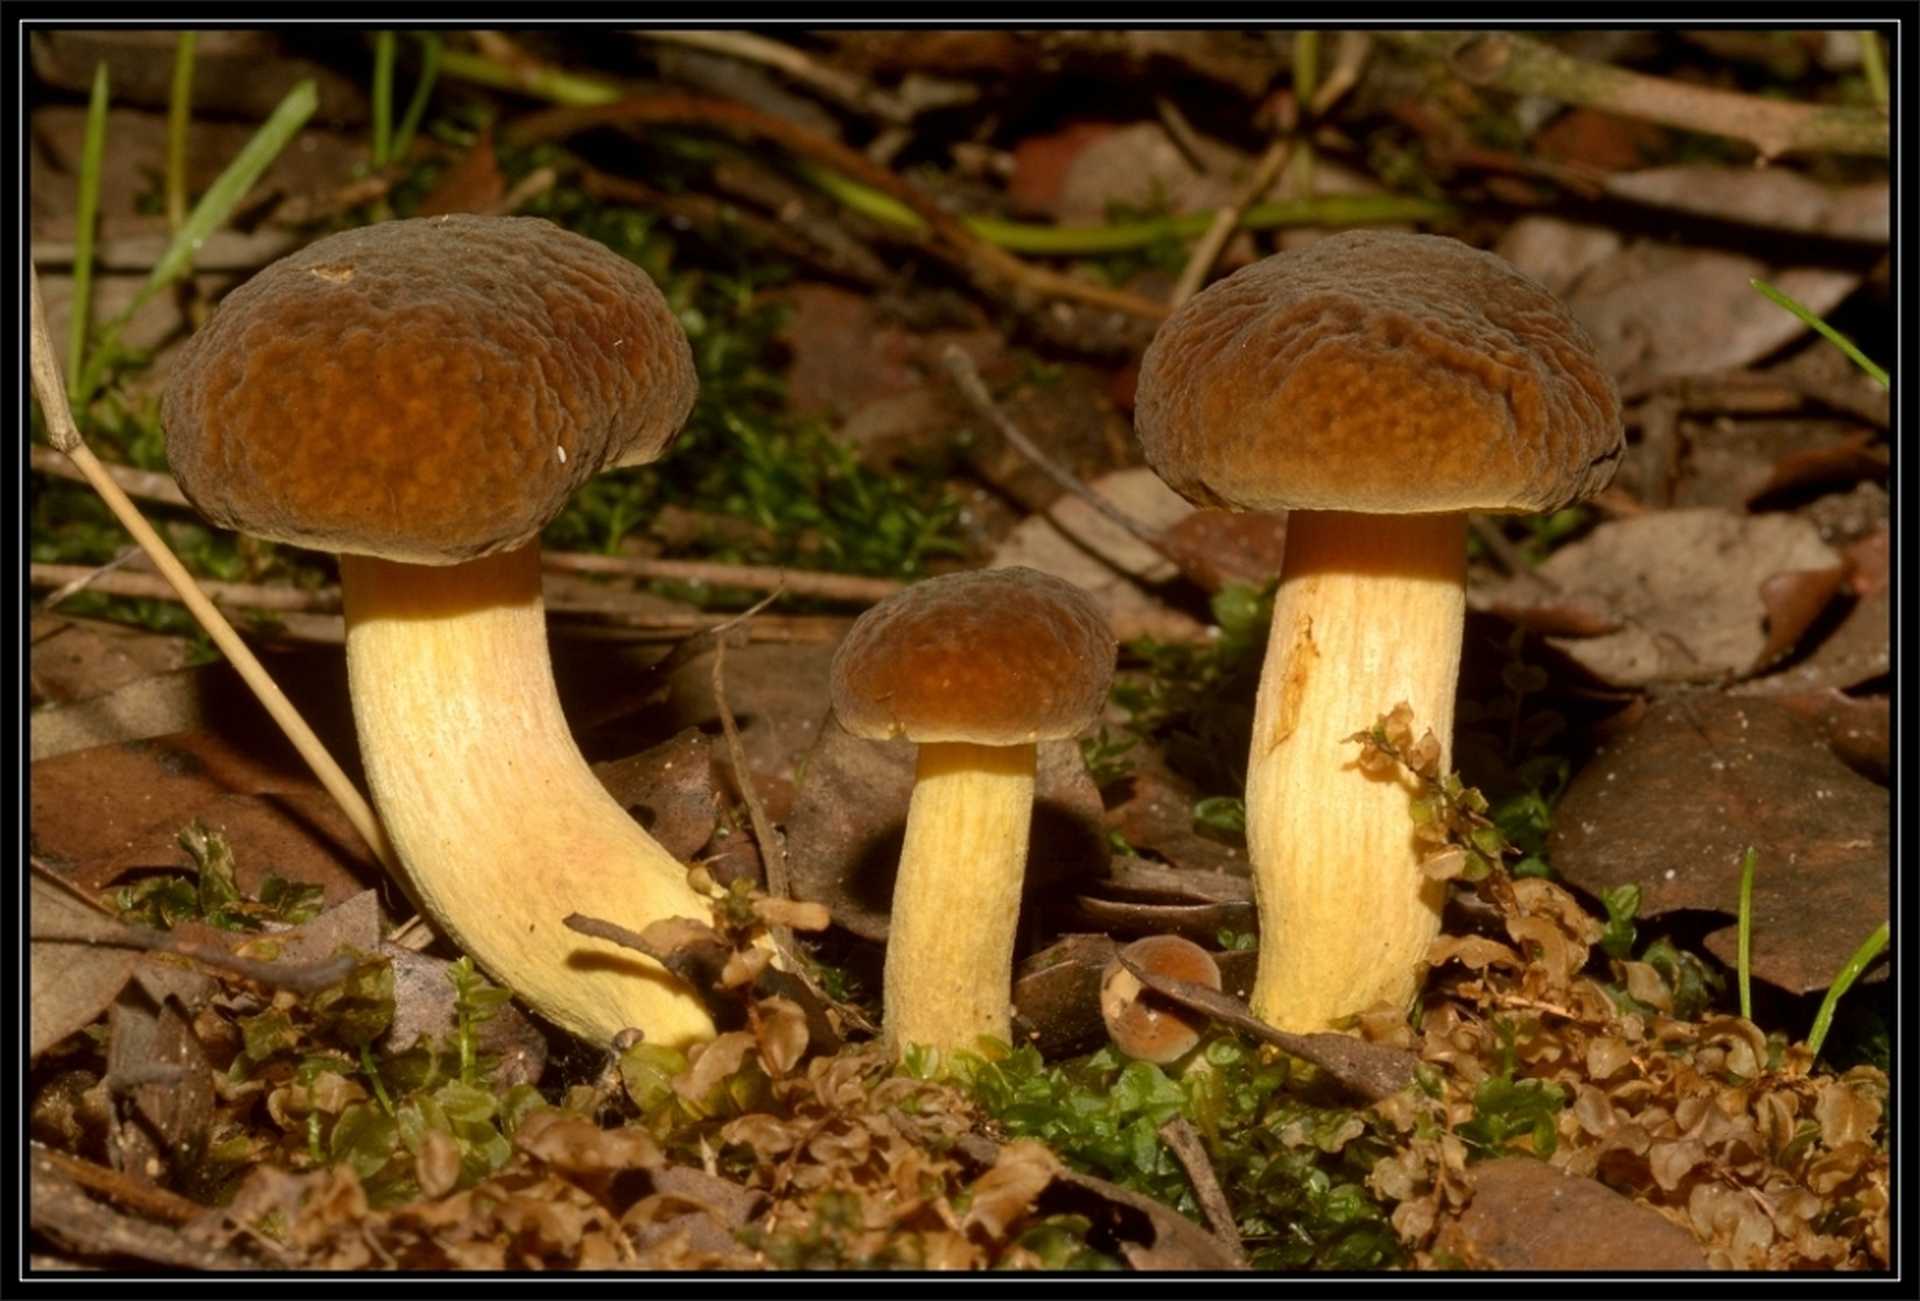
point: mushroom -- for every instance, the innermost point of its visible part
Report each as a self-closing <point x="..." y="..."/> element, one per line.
<point x="422" y="397"/>
<point x="975" y="668"/>
<point x="1377" y="386"/>
<point x="1140" y="1024"/>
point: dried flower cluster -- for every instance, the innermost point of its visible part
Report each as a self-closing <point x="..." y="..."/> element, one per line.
<point x="1768" y="1163"/>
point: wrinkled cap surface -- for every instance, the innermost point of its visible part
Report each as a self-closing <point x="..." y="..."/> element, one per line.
<point x="992" y="656"/>
<point x="428" y="391"/>
<point x="1378" y="372"/>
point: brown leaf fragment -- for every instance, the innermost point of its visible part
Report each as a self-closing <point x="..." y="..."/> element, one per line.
<point x="1007" y="1192"/>
<point x="1869" y="562"/>
<point x="1215" y="547"/>
<point x="424" y="1009"/>
<point x="1672" y="805"/>
<point x="1775" y="197"/>
<point x="79" y="659"/>
<point x="1374" y="1071"/>
<point x="70" y="983"/>
<point x="1859" y="649"/>
<point x="1794" y="601"/>
<point x="1157" y="815"/>
<point x="472" y="184"/>
<point x="799" y="914"/>
<point x="574" y="1144"/>
<point x="1474" y="952"/>
<point x="713" y="1062"/>
<point x="437" y="1164"/>
<point x="1686" y="585"/>
<point x="848" y="818"/>
<point x="1858" y="728"/>
<point x="670" y="791"/>
<point x="154" y="1057"/>
<point x="1526" y="1215"/>
<point x="781" y="1034"/>
<point x="1831" y="465"/>
<point x="355" y="923"/>
<point x="59" y="1209"/>
<point x="1176" y="1244"/>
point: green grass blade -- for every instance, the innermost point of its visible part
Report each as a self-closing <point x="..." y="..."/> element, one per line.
<point x="92" y="152"/>
<point x="217" y="205"/>
<point x="225" y="194"/>
<point x="430" y="47"/>
<point x="384" y="46"/>
<point x="1832" y="335"/>
<point x="1118" y="237"/>
<point x="179" y="116"/>
<point x="1874" y="66"/>
<point x="544" y="83"/>
<point x="1823" y="1019"/>
<point x="1745" y="963"/>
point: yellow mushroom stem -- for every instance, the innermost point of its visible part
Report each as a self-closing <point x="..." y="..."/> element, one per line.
<point x="1369" y="613"/>
<point x="956" y="902"/>
<point x="502" y="827"/>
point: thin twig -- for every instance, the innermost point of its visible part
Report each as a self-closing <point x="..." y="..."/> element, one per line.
<point x="1207" y="250"/>
<point x="773" y="855"/>
<point x="1349" y="59"/>
<point x="613" y="933"/>
<point x="952" y="237"/>
<point x="301" y="978"/>
<point x="798" y="582"/>
<point x="59" y="1209"/>
<point x="65" y="436"/>
<point x="147" y="1199"/>
<point x="90" y="574"/>
<point x="531" y="186"/>
<point x="1530" y="67"/>
<point x="153" y="486"/>
<point x="253" y="596"/>
<point x="846" y="90"/>
<point x="1180" y="1135"/>
<point x="1200" y="153"/>
<point x="967" y="378"/>
<point x="148" y="485"/>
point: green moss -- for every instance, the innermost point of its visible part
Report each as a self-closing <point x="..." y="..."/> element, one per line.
<point x="1293" y="1164"/>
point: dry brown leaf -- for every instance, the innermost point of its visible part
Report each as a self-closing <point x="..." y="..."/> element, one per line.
<point x="1775" y="197"/>
<point x="573" y="1144"/>
<point x="1526" y="1215"/>
<point x="1686" y="586"/>
<point x="1673" y="805"/>
<point x="1007" y="1192"/>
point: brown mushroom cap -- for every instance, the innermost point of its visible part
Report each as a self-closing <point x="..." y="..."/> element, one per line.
<point x="1149" y="1031"/>
<point x="1378" y="372"/>
<point x="429" y="391"/>
<point x="991" y="656"/>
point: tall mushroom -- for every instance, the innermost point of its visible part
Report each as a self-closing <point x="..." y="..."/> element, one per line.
<point x="422" y="397"/>
<point x="1376" y="386"/>
<point x="975" y="668"/>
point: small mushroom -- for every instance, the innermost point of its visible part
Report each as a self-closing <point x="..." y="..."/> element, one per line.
<point x="423" y="397"/>
<point x="975" y="668"/>
<point x="1142" y="1025"/>
<point x="1376" y="386"/>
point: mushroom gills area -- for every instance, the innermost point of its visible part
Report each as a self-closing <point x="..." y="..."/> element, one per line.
<point x="1369" y="613"/>
<point x="956" y="901"/>
<point x="502" y="827"/>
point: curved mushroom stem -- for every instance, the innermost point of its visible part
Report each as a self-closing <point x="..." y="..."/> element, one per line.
<point x="956" y="902"/>
<point x="503" y="828"/>
<point x="1369" y="613"/>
